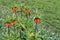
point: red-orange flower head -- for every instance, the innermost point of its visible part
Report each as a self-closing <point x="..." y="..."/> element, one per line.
<point x="8" y="24"/>
<point x="22" y="7"/>
<point x="37" y="20"/>
<point x="14" y="8"/>
<point x="27" y="11"/>
<point x="14" y="21"/>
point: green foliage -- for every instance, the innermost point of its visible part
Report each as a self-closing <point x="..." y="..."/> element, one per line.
<point x="47" y="10"/>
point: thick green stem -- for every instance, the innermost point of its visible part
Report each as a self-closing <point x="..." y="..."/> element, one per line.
<point x="20" y="35"/>
<point x="15" y="32"/>
<point x="16" y="15"/>
<point x="27" y="17"/>
<point x="35" y="31"/>
<point x="9" y="31"/>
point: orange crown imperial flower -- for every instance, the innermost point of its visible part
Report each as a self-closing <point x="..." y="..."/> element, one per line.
<point x="27" y="11"/>
<point x="21" y="7"/>
<point x="8" y="24"/>
<point x="37" y="20"/>
<point x="14" y="21"/>
<point x="14" y="8"/>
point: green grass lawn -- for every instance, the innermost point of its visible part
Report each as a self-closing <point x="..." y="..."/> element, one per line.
<point x="47" y="10"/>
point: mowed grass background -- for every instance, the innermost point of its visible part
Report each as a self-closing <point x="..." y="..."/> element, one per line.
<point x="47" y="10"/>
